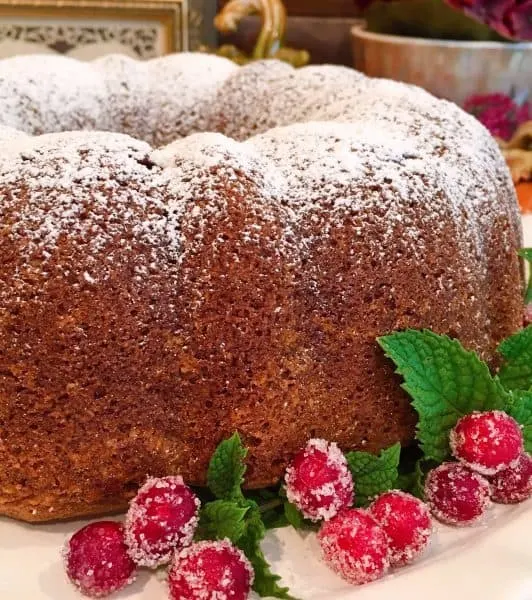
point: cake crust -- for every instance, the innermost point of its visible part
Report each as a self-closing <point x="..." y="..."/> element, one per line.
<point x="154" y="301"/>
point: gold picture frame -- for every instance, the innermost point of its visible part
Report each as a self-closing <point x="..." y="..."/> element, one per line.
<point x="87" y="28"/>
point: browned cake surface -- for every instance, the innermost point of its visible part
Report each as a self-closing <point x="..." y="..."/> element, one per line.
<point x="154" y="302"/>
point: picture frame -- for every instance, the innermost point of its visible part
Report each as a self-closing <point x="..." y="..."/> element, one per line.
<point x="86" y="29"/>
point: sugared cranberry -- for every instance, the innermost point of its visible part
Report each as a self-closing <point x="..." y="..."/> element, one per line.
<point x="161" y="518"/>
<point x="456" y="495"/>
<point x="210" y="570"/>
<point x="407" y="523"/>
<point x="355" y="546"/>
<point x="318" y="480"/>
<point x="513" y="485"/>
<point x="487" y="442"/>
<point x="97" y="561"/>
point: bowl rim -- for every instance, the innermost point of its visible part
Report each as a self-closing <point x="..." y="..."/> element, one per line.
<point x="360" y="31"/>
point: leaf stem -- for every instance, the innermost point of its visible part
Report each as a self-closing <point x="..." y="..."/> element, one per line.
<point x="271" y="504"/>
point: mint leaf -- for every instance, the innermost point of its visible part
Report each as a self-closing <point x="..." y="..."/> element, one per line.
<point x="266" y="583"/>
<point x="526" y="253"/>
<point x="373" y="474"/>
<point x="222" y="519"/>
<point x="516" y="372"/>
<point x="293" y="516"/>
<point x="239" y="518"/>
<point x="225" y="474"/>
<point x="521" y="411"/>
<point x="446" y="382"/>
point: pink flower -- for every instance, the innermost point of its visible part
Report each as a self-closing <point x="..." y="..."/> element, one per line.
<point x="498" y="112"/>
<point x="519" y="20"/>
<point x="509" y="18"/>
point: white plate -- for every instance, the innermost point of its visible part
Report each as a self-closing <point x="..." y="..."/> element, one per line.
<point x="489" y="562"/>
<point x="492" y="561"/>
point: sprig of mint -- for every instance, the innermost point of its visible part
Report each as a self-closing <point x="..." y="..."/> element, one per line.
<point x="225" y="474"/>
<point x="526" y="253"/>
<point x="236" y="517"/>
<point x="222" y="519"/>
<point x="266" y="583"/>
<point x="516" y="372"/>
<point x="445" y="381"/>
<point x="373" y="474"/>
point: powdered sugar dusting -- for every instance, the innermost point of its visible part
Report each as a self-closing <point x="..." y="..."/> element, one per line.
<point x="387" y="161"/>
<point x="156" y="100"/>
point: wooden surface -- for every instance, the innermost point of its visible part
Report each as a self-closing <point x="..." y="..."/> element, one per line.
<point x="322" y="8"/>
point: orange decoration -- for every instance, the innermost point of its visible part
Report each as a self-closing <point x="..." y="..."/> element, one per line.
<point x="524" y="195"/>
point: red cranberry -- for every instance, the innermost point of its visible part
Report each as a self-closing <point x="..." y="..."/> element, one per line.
<point x="355" y="546"/>
<point x="97" y="561"/>
<point x="318" y="480"/>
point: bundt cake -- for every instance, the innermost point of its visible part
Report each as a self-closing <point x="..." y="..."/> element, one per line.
<point x="154" y="301"/>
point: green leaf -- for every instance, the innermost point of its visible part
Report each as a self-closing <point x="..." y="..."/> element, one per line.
<point x="293" y="515"/>
<point x="222" y="519"/>
<point x="373" y="474"/>
<point x="239" y="518"/>
<point x="225" y="475"/>
<point x="526" y="253"/>
<point x="521" y="411"/>
<point x="266" y="583"/>
<point x="445" y="381"/>
<point x="516" y="372"/>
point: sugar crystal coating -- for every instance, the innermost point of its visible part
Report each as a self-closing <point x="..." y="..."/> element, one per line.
<point x="318" y="480"/>
<point x="456" y="495"/>
<point x="96" y="559"/>
<point x="354" y="546"/>
<point x="161" y="518"/>
<point x="487" y="442"/>
<point x="407" y="523"/>
<point x="514" y="484"/>
<point x="210" y="571"/>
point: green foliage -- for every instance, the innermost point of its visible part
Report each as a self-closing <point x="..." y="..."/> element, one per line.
<point x="239" y="518"/>
<point x="222" y="519"/>
<point x="521" y="411"/>
<point x="373" y="474"/>
<point x="445" y="381"/>
<point x="225" y="475"/>
<point x="266" y="583"/>
<point x="516" y="372"/>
